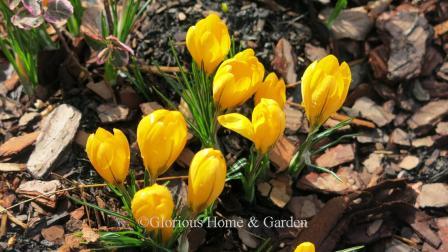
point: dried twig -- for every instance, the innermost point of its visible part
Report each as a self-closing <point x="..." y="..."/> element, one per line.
<point x="12" y="217"/>
<point x="159" y="69"/>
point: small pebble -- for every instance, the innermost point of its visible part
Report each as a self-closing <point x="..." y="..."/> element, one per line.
<point x="181" y="16"/>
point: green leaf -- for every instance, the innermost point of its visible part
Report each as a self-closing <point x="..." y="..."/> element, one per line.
<point x="340" y="5"/>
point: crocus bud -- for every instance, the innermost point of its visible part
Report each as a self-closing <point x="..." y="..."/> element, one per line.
<point x="206" y="179"/>
<point x="237" y="79"/>
<point x="152" y="207"/>
<point x="272" y="88"/>
<point x="109" y="154"/>
<point x="268" y="124"/>
<point x="325" y="85"/>
<point x="208" y="42"/>
<point x="305" y="247"/>
<point x="161" y="137"/>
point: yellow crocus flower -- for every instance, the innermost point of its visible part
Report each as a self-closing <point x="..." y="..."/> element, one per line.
<point x="272" y="88"/>
<point x="208" y="42"/>
<point x="152" y="207"/>
<point x="109" y="154"/>
<point x="268" y="124"/>
<point x="206" y="179"/>
<point x="237" y="79"/>
<point x="305" y="247"/>
<point x="161" y="137"/>
<point x="325" y="85"/>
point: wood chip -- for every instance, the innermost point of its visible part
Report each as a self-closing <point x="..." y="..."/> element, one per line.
<point x="185" y="157"/>
<point x="430" y="114"/>
<point x="81" y="138"/>
<point x="374" y="227"/>
<point x="314" y="53"/>
<point x="373" y="136"/>
<point x="54" y="234"/>
<point x="427" y="141"/>
<point x="102" y="89"/>
<point x="58" y="131"/>
<point x="45" y="189"/>
<point x="441" y="28"/>
<point x="112" y="113"/>
<point x="281" y="190"/>
<point x="400" y="137"/>
<point x="373" y="163"/>
<point x="284" y="61"/>
<point x="11" y="83"/>
<point x="353" y="23"/>
<point x="337" y="155"/>
<point x="305" y="207"/>
<point x="12" y="167"/>
<point x="433" y="195"/>
<point x="282" y="154"/>
<point x="442" y="128"/>
<point x="264" y="188"/>
<point x="324" y="182"/>
<point x="294" y="118"/>
<point x="409" y="162"/>
<point x="149" y="107"/>
<point x="16" y="144"/>
<point x="368" y="109"/>
<point x="27" y="118"/>
<point x="409" y="32"/>
<point x="78" y="213"/>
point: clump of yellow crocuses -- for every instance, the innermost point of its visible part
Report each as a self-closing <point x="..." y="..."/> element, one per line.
<point x="161" y="137"/>
<point x="208" y="42"/>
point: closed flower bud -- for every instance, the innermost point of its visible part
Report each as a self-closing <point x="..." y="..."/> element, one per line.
<point x="272" y="88"/>
<point x="152" y="207"/>
<point x="208" y="42"/>
<point x="206" y="179"/>
<point x="109" y="154"/>
<point x="268" y="124"/>
<point x="237" y="79"/>
<point x="305" y="247"/>
<point x="325" y="85"/>
<point x="161" y="137"/>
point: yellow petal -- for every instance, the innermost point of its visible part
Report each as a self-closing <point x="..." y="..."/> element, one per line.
<point x="305" y="247"/>
<point x="268" y="121"/>
<point x="272" y="88"/>
<point x="238" y="123"/>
